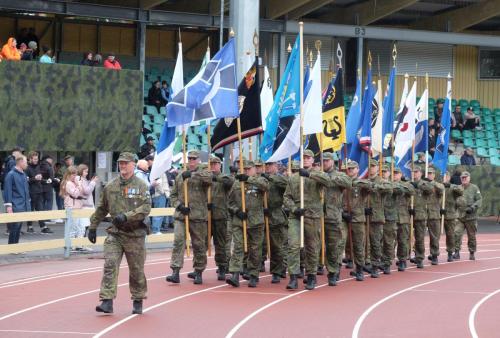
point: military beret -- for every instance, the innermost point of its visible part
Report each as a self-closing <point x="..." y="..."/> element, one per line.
<point x="308" y="152"/>
<point x="328" y="156"/>
<point x="194" y="153"/>
<point x="259" y="163"/>
<point x="417" y="168"/>
<point x="214" y="159"/>
<point x="465" y="174"/>
<point x="397" y="170"/>
<point x="248" y="164"/>
<point x="352" y="164"/>
<point x="373" y="163"/>
<point x="67" y="157"/>
<point x="385" y="168"/>
<point x="124" y="157"/>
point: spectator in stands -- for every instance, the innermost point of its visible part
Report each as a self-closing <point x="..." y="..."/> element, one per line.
<point x="420" y="158"/>
<point x="72" y="192"/>
<point x="111" y="62"/>
<point x="9" y="50"/>
<point x="457" y="119"/>
<point x="432" y="141"/>
<point x="88" y="187"/>
<point x="165" y="92"/>
<point x="10" y="163"/>
<point x="87" y="59"/>
<point x="150" y="158"/>
<point x="147" y="148"/>
<point x="58" y="174"/>
<point x="47" y="55"/>
<point x="438" y="112"/>
<point x="31" y="36"/>
<point x="471" y="120"/>
<point x="47" y="172"/>
<point x="34" y="48"/>
<point x="468" y="157"/>
<point x="26" y="54"/>
<point x="154" y="95"/>
<point x="22" y="37"/>
<point x="431" y="123"/>
<point x="35" y="188"/>
<point x="16" y="196"/>
<point x="97" y="60"/>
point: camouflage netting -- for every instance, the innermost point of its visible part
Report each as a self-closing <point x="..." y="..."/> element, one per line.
<point x="56" y="107"/>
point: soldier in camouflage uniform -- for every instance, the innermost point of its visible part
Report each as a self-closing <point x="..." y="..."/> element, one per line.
<point x="260" y="169"/>
<point x="434" y="204"/>
<point x="198" y="181"/>
<point x="277" y="219"/>
<point x="390" y="227"/>
<point x="453" y="194"/>
<point x="468" y="216"/>
<point x="254" y="186"/>
<point x="127" y="200"/>
<point x="314" y="182"/>
<point x="335" y="228"/>
<point x="402" y="192"/>
<point x="423" y="191"/>
<point x="221" y="186"/>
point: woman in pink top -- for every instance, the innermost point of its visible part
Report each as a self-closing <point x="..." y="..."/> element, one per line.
<point x="72" y="192"/>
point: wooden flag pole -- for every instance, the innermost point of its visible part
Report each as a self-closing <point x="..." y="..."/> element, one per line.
<point x="301" y="94"/>
<point x="412" y="199"/>
<point x="367" y="223"/>
<point x="394" y="57"/>
<point x="209" y="196"/>
<point x="185" y="188"/>
<point x="427" y="149"/>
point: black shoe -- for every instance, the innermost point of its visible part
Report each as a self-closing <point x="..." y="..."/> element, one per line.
<point x="197" y="278"/>
<point x="106" y="306"/>
<point x="30" y="230"/>
<point x="352" y="273"/>
<point x="191" y="275"/>
<point x="276" y="278"/>
<point x="301" y="274"/>
<point x="221" y="274"/>
<point x="349" y="265"/>
<point x="374" y="273"/>
<point x="401" y="266"/>
<point x="456" y="255"/>
<point x="320" y="271"/>
<point x="420" y="265"/>
<point x="367" y="268"/>
<point x="234" y="280"/>
<point x="359" y="274"/>
<point x="174" y="277"/>
<point x="246" y="276"/>
<point x="311" y="282"/>
<point x="344" y="260"/>
<point x="434" y="260"/>
<point x="46" y="230"/>
<point x="450" y="257"/>
<point x="292" y="284"/>
<point x="387" y="269"/>
<point x="472" y="257"/>
<point x="429" y="257"/>
<point x="413" y="260"/>
<point x="332" y="279"/>
<point x="253" y="282"/>
<point x="263" y="267"/>
<point x="137" y="307"/>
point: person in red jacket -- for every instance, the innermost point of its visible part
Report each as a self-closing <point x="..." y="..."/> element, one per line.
<point x="111" y="62"/>
<point x="9" y="50"/>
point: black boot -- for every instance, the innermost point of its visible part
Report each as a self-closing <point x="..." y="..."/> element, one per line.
<point x="332" y="279"/>
<point x="374" y="272"/>
<point x="174" y="277"/>
<point x="221" y="275"/>
<point x="191" y="275"/>
<point x="367" y="268"/>
<point x="320" y="271"/>
<point x="197" y="278"/>
<point x="456" y="255"/>
<point x="311" y="282"/>
<point x="263" y="267"/>
<point x="413" y="260"/>
<point x="137" y="307"/>
<point x="429" y="257"/>
<point x="106" y="306"/>
<point x="420" y="264"/>
<point x="349" y="264"/>
<point x="292" y="284"/>
<point x="253" y="282"/>
<point x="434" y="260"/>
<point x="276" y="278"/>
<point x="234" y="280"/>
<point x="387" y="269"/>
<point x="401" y="265"/>
<point x="359" y="274"/>
<point x="472" y="257"/>
<point x="450" y="257"/>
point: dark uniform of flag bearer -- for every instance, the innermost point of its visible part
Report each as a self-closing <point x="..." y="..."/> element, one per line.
<point x="434" y="215"/>
<point x="127" y="200"/>
<point x="390" y="227"/>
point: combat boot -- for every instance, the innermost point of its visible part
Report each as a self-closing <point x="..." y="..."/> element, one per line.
<point x="374" y="273"/>
<point x="413" y="260"/>
<point x="106" y="306"/>
<point x="197" y="278"/>
<point x="292" y="284"/>
<point x="349" y="264"/>
<point x="253" y="282"/>
<point x="311" y="282"/>
<point x="420" y="264"/>
<point x="429" y="257"/>
<point x="472" y="257"/>
<point x="221" y="275"/>
<point x="276" y="278"/>
<point x="234" y="280"/>
<point x="387" y="269"/>
<point x="174" y="277"/>
<point x="191" y="275"/>
<point x="450" y="257"/>
<point x="320" y="271"/>
<point x="137" y="307"/>
<point x="434" y="260"/>
<point x="401" y="265"/>
<point x="367" y="268"/>
<point x="332" y="279"/>
<point x="456" y="255"/>
<point x="359" y="274"/>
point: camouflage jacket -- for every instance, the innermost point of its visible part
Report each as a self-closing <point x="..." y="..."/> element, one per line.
<point x="254" y="200"/>
<point x="473" y="199"/>
<point x="198" y="185"/>
<point x="391" y="204"/>
<point x="220" y="193"/>
<point x="130" y="197"/>
<point x="333" y="195"/>
<point x="402" y="192"/>
<point x="380" y="190"/>
<point x="422" y="192"/>
<point x="356" y="199"/>
<point x="451" y="202"/>
<point x="277" y="187"/>
<point x="434" y="201"/>
<point x="313" y="186"/>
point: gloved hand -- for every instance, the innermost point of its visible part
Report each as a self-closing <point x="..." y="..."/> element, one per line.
<point x="92" y="235"/>
<point x="241" y="214"/>
<point x="242" y="177"/>
<point x="426" y="179"/>
<point x="304" y="172"/>
<point x="214" y="177"/>
<point x="368" y="211"/>
<point x="233" y="169"/>
<point x="447" y="184"/>
<point x="404" y="179"/>
<point x="266" y="176"/>
<point x="186" y="174"/>
<point x="266" y="212"/>
<point x="411" y="211"/>
<point x="299" y="212"/>
<point x="415" y="184"/>
<point x="286" y="211"/>
<point x="210" y="206"/>
<point x="469" y="210"/>
<point x="183" y="209"/>
<point x="119" y="219"/>
<point x="442" y="211"/>
<point x="346" y="216"/>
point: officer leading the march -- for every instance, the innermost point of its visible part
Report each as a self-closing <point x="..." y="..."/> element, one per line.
<point x="127" y="199"/>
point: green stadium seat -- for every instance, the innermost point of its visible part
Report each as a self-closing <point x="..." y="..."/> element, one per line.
<point x="481" y="143"/>
<point x="496" y="112"/>
<point x="495" y="161"/>
<point x="453" y="160"/>
<point x="493" y="143"/>
<point x="482" y="152"/>
<point x="490" y="135"/>
<point x="475" y="103"/>
<point x="485" y="111"/>
<point x="488" y="120"/>
<point x="469" y="142"/>
<point x="453" y="102"/>
<point x="456" y="134"/>
<point x="163" y="111"/>
<point x="490" y="127"/>
<point x="432" y="102"/>
<point x="480" y="134"/>
<point x="493" y="152"/>
<point x="463" y="102"/>
<point x="151" y="110"/>
<point x="467" y="134"/>
<point x="158" y="119"/>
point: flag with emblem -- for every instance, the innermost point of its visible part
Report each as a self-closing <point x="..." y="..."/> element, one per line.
<point x="334" y="132"/>
<point x="440" y="159"/>
<point x="404" y="133"/>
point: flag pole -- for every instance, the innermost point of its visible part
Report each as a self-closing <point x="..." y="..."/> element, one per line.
<point x="301" y="94"/>
<point x="412" y="198"/>
<point x="367" y="223"/>
<point x="443" y="202"/>
<point x="209" y="191"/>
<point x="427" y="149"/>
<point x="394" y="57"/>
<point x="379" y="90"/>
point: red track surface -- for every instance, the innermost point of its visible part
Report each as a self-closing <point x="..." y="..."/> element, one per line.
<point x="57" y="299"/>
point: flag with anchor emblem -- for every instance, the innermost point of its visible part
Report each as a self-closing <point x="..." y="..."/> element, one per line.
<point x="334" y="115"/>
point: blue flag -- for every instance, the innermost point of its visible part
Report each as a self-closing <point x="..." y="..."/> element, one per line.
<point x="388" y="117"/>
<point x="440" y="160"/>
<point x="212" y="93"/>
<point x="285" y="106"/>
<point x="352" y="120"/>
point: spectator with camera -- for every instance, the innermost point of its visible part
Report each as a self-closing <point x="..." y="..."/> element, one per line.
<point x="111" y="62"/>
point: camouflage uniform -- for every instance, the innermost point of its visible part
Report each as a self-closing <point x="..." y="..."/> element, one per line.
<point x="390" y="228"/>
<point x="402" y="192"/>
<point x="434" y="216"/>
<point x="423" y="190"/>
<point x="130" y="197"/>
<point x="468" y="216"/>
<point x="453" y="196"/>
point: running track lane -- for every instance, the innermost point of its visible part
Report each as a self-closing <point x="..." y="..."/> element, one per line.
<point x="483" y="318"/>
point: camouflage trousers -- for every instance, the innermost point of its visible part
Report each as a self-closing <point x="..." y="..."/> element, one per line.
<point x="229" y="238"/>
<point x="358" y="243"/>
<point x="449" y="229"/>
<point x="311" y="245"/>
<point x="254" y="249"/>
<point x="335" y="235"/>
<point x="278" y="250"/>
<point x="264" y="245"/>
<point x="403" y="239"/>
<point x="388" y="242"/>
<point x="419" y="228"/>
<point x="375" y="252"/>
<point x="434" y="228"/>
<point x="471" y="227"/>
<point x="134" y="249"/>
<point x="219" y="233"/>
<point x="198" y="233"/>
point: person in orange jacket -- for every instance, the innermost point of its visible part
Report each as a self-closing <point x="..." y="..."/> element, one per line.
<point x="9" y="50"/>
<point x="111" y="62"/>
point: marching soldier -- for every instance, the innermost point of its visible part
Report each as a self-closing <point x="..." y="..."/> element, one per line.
<point x="454" y="195"/>
<point x="335" y="229"/>
<point x="127" y="199"/>
<point x="402" y="192"/>
<point x="390" y="227"/>
<point x="434" y="215"/>
<point x="221" y="186"/>
<point x="468" y="216"/>
<point x="259" y="170"/>
<point x="255" y="186"/>
<point x="314" y="181"/>
<point x="198" y="182"/>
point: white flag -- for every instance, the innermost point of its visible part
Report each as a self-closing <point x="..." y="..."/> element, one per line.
<point x="405" y="131"/>
<point x="266" y="97"/>
<point x="178" y="77"/>
<point x="313" y="104"/>
<point x="377" y="114"/>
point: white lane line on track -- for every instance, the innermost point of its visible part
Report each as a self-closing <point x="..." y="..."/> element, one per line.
<point x="450" y="291"/>
<point x="126" y="319"/>
<point x="74" y="296"/>
<point x="265" y="307"/>
<point x="472" y="314"/>
<point x="50" y="332"/>
<point x="364" y="315"/>
<point x="253" y="293"/>
<point x="435" y="272"/>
